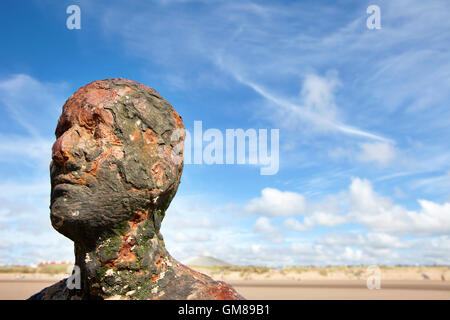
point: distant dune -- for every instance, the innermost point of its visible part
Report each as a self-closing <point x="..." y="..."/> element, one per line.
<point x="206" y="261"/>
<point x="222" y="270"/>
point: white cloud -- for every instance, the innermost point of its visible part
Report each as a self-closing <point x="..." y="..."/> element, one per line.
<point x="31" y="151"/>
<point x="267" y="231"/>
<point x="345" y="248"/>
<point x="318" y="94"/>
<point x="317" y="218"/>
<point x="350" y="254"/>
<point x="270" y="245"/>
<point x="190" y="222"/>
<point x="276" y="203"/>
<point x="263" y="225"/>
<point x="192" y="237"/>
<point x="380" y="214"/>
<point x="370" y="240"/>
<point x="360" y="204"/>
<point x="194" y="224"/>
<point x="194" y="212"/>
<point x="294" y="224"/>
<point x="319" y="110"/>
<point x="30" y="107"/>
<point x="33" y="104"/>
<point x="379" y="152"/>
<point x="429" y="183"/>
<point x="29" y="233"/>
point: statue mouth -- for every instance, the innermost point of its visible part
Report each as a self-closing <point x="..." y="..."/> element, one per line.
<point x="63" y="185"/>
<point x="62" y="179"/>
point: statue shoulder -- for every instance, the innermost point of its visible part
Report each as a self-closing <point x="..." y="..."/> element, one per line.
<point x="57" y="291"/>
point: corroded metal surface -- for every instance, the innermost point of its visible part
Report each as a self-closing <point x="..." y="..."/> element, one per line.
<point x="117" y="164"/>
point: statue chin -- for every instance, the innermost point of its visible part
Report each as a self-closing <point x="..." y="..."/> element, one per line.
<point x="64" y="199"/>
<point x="72" y="211"/>
<point x="84" y="213"/>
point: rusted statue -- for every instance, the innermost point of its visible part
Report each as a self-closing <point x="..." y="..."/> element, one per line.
<point x="116" y="165"/>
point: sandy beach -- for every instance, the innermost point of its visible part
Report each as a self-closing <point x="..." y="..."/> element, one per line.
<point x="22" y="286"/>
<point x="284" y="290"/>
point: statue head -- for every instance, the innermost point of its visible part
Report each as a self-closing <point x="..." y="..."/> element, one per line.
<point x="117" y="156"/>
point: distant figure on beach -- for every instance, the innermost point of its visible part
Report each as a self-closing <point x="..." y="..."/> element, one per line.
<point x="116" y="166"/>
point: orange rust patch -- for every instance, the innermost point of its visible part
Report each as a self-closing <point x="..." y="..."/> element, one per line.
<point x="114" y="140"/>
<point x="62" y="156"/>
<point x="81" y="181"/>
<point x="125" y="253"/>
<point x="138" y="217"/>
<point x="154" y="278"/>
<point x="159" y="261"/>
<point x="177" y="118"/>
<point x="86" y="119"/>
<point x="97" y="163"/>
<point x="161" y="264"/>
<point x="61" y="147"/>
<point x="158" y="174"/>
<point x="96" y="95"/>
<point x="149" y="136"/>
<point x="101" y="93"/>
<point x="217" y="291"/>
<point x="136" y="134"/>
<point x="222" y="292"/>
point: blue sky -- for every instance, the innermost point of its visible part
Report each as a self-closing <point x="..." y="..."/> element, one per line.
<point x="363" y="115"/>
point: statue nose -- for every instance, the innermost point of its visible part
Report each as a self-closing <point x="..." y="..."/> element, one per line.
<point x="61" y="148"/>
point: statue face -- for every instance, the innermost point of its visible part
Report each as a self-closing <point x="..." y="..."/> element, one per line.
<point x="117" y="153"/>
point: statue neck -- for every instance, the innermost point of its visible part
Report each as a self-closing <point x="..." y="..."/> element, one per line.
<point x="125" y="262"/>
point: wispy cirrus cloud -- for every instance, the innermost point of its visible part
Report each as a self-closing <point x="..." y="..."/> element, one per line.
<point x="318" y="106"/>
<point x="280" y="53"/>
<point x="30" y="108"/>
<point x="34" y="106"/>
<point x="32" y="103"/>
